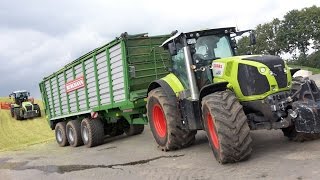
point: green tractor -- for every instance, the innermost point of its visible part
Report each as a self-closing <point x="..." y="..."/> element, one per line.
<point x="210" y="88"/>
<point x="22" y="108"/>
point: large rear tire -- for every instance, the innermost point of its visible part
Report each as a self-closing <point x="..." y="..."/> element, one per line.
<point x="165" y="121"/>
<point x="61" y="136"/>
<point x="92" y="132"/>
<point x="293" y="135"/>
<point x="73" y="130"/>
<point x="226" y="126"/>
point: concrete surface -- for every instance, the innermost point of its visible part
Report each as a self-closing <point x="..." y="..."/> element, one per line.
<point x="137" y="157"/>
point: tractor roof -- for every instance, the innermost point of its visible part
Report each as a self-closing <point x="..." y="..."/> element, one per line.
<point x="19" y="91"/>
<point x="205" y="32"/>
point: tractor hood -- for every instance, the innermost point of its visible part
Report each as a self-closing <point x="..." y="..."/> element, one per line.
<point x="253" y="77"/>
<point x="276" y="66"/>
<point x="28" y="106"/>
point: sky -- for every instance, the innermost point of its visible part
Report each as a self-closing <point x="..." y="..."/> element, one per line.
<point x="38" y="37"/>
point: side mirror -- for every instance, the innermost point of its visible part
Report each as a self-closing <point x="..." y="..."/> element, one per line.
<point x="252" y="38"/>
<point x="172" y="49"/>
<point x="233" y="43"/>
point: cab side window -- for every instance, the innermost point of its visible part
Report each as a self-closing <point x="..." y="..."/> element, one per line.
<point x="179" y="66"/>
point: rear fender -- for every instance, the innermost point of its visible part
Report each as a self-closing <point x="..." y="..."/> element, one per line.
<point x="170" y="83"/>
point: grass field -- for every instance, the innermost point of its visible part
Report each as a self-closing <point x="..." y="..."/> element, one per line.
<point x="18" y="134"/>
<point x="313" y="70"/>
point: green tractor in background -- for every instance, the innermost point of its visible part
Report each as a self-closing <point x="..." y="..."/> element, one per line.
<point x="211" y="88"/>
<point x="22" y="108"/>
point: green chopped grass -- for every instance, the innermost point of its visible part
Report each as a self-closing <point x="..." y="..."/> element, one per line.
<point x="19" y="134"/>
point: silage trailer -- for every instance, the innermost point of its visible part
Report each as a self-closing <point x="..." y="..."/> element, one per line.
<point x="104" y="91"/>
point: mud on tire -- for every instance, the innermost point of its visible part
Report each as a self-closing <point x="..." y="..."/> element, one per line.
<point x="226" y="126"/>
<point x="165" y="123"/>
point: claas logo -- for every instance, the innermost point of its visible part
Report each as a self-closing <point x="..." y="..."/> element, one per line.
<point x="219" y="66"/>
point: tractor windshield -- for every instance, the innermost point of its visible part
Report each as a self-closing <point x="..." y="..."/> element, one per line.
<point x="22" y="95"/>
<point x="213" y="47"/>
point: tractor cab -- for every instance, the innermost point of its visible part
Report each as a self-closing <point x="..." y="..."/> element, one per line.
<point x="20" y="96"/>
<point x="198" y="49"/>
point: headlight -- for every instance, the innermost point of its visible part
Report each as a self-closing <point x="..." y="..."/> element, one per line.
<point x="263" y="69"/>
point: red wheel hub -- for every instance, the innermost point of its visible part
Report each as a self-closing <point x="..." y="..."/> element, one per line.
<point x="212" y="131"/>
<point x="159" y="120"/>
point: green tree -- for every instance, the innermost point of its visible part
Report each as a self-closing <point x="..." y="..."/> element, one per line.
<point x="293" y="35"/>
<point x="266" y="35"/>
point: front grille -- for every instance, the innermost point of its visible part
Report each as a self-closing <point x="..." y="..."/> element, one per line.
<point x="28" y="108"/>
<point x="251" y="81"/>
<point x="276" y="65"/>
<point x="280" y="76"/>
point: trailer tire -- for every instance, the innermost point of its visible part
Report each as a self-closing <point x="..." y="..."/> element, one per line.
<point x="92" y="132"/>
<point x="165" y="124"/>
<point x="226" y="126"/>
<point x="73" y="131"/>
<point x="134" y="129"/>
<point x="60" y="133"/>
<point x="293" y="135"/>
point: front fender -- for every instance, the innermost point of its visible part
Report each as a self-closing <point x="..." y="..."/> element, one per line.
<point x="211" y="88"/>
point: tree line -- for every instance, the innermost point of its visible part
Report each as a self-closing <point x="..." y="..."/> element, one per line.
<point x="297" y="33"/>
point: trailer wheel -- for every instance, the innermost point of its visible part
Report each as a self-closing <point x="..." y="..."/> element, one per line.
<point x="226" y="126"/>
<point x="61" y="136"/>
<point x="92" y="132"/>
<point x="293" y="135"/>
<point x="165" y="124"/>
<point x="73" y="130"/>
<point x="134" y="129"/>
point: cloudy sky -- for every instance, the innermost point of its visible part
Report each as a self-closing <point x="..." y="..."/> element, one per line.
<point x="38" y="37"/>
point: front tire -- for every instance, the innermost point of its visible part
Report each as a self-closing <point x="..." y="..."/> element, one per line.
<point x="37" y="108"/>
<point x="92" y="132"/>
<point x="73" y="130"/>
<point x="226" y="126"/>
<point x="165" y="121"/>
<point x="61" y="135"/>
<point x="17" y="114"/>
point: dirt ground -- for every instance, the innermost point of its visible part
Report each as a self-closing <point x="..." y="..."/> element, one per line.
<point x="137" y="157"/>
